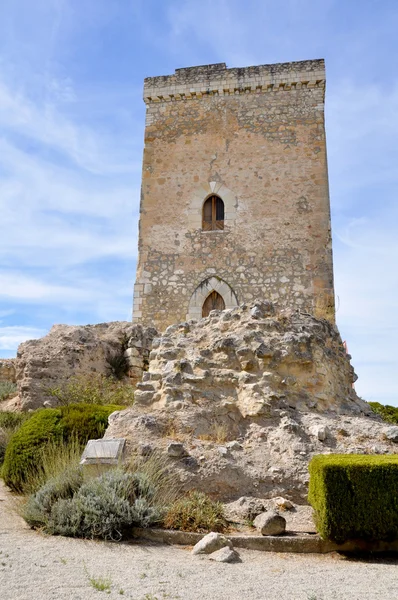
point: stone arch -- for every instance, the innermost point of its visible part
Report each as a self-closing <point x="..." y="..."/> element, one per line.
<point x="201" y="193"/>
<point x="211" y="284"/>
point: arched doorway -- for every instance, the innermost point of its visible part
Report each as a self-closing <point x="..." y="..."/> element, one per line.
<point x="213" y="302"/>
<point x="204" y="290"/>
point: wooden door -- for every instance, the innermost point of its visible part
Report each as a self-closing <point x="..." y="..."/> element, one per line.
<point x="213" y="302"/>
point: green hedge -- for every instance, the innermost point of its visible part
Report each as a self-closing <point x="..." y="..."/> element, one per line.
<point x="48" y="425"/>
<point x="355" y="496"/>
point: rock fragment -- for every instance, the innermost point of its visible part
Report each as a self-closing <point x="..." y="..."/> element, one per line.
<point x="211" y="543"/>
<point x="270" y="523"/>
<point x="225" y="555"/>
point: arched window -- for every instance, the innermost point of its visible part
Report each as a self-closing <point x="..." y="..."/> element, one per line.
<point x="213" y="302"/>
<point x="213" y="214"/>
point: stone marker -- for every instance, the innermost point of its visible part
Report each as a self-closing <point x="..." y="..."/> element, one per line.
<point x="210" y="543"/>
<point x="270" y="523"/>
<point x="100" y="455"/>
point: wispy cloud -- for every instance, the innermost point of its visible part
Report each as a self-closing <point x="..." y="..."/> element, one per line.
<point x="10" y="337"/>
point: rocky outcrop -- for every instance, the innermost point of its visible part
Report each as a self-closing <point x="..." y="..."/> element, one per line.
<point x="254" y="360"/>
<point x="250" y="394"/>
<point x="75" y="350"/>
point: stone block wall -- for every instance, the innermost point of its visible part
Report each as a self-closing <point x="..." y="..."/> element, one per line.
<point x="255" y="137"/>
<point x="7" y="370"/>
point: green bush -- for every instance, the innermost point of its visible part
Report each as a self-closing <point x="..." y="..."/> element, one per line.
<point x="196" y="512"/>
<point x="355" y="496"/>
<point x="104" y="507"/>
<point x="48" y="425"/>
<point x="388" y="413"/>
<point x="93" y="389"/>
<point x="9" y="423"/>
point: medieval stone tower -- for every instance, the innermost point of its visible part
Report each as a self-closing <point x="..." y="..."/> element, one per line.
<point x="235" y="201"/>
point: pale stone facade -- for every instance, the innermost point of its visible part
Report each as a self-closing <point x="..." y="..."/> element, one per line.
<point x="255" y="137"/>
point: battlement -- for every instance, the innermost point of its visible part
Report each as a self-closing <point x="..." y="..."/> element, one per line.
<point x="217" y="79"/>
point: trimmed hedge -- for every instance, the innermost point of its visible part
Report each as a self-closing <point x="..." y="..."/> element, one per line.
<point x="355" y="496"/>
<point x="85" y="421"/>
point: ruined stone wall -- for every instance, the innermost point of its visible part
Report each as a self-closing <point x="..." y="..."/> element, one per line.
<point x="7" y="370"/>
<point x="254" y="136"/>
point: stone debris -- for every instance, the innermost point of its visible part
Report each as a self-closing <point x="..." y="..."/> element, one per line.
<point x="391" y="434"/>
<point x="252" y="400"/>
<point x="211" y="543"/>
<point x="225" y="555"/>
<point x="270" y="523"/>
<point x="245" y="509"/>
<point x="282" y="503"/>
<point x="320" y="431"/>
<point x="176" y="450"/>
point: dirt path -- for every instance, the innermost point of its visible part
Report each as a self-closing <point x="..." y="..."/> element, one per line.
<point x="40" y="567"/>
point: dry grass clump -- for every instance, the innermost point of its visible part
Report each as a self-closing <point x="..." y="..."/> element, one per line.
<point x="196" y="512"/>
<point x="93" y="389"/>
<point x="218" y="433"/>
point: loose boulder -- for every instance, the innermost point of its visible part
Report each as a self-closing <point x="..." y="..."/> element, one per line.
<point x="211" y="543"/>
<point x="225" y="555"/>
<point x="270" y="523"/>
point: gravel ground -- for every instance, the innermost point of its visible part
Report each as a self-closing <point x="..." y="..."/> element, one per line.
<point x="40" y="567"/>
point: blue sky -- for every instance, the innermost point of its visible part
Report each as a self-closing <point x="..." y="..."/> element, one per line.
<point x="71" y="137"/>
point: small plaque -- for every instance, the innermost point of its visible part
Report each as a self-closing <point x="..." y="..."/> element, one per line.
<point x="101" y="451"/>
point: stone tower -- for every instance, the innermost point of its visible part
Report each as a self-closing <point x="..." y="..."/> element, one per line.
<point x="235" y="200"/>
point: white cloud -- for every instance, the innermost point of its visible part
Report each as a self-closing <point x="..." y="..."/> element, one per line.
<point x="11" y="337"/>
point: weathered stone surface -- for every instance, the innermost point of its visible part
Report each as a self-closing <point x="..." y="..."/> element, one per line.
<point x="307" y="368"/>
<point x="224" y="555"/>
<point x="176" y="450"/>
<point x="320" y="431"/>
<point x="76" y="350"/>
<point x="282" y="503"/>
<point x="227" y="397"/>
<point x="245" y="509"/>
<point x="391" y="434"/>
<point x="7" y="369"/>
<point x="270" y="523"/>
<point x="211" y="543"/>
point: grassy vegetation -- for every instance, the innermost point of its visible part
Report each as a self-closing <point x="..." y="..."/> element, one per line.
<point x="387" y="413"/>
<point x="7" y="390"/>
<point x="26" y="448"/>
<point x="196" y="512"/>
<point x="93" y="389"/>
<point x="355" y="496"/>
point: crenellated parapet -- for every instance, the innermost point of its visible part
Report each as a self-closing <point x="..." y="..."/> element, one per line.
<point x="218" y="80"/>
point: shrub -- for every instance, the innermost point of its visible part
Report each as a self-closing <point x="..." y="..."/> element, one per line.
<point x="24" y="452"/>
<point x="355" y="496"/>
<point x="196" y="512"/>
<point x="388" y="413"/>
<point x="7" y="389"/>
<point x="37" y="510"/>
<point x="9" y="423"/>
<point x="103" y="507"/>
<point x="93" y="389"/>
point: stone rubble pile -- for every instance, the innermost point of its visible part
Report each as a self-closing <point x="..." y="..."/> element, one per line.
<point x="240" y="401"/>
